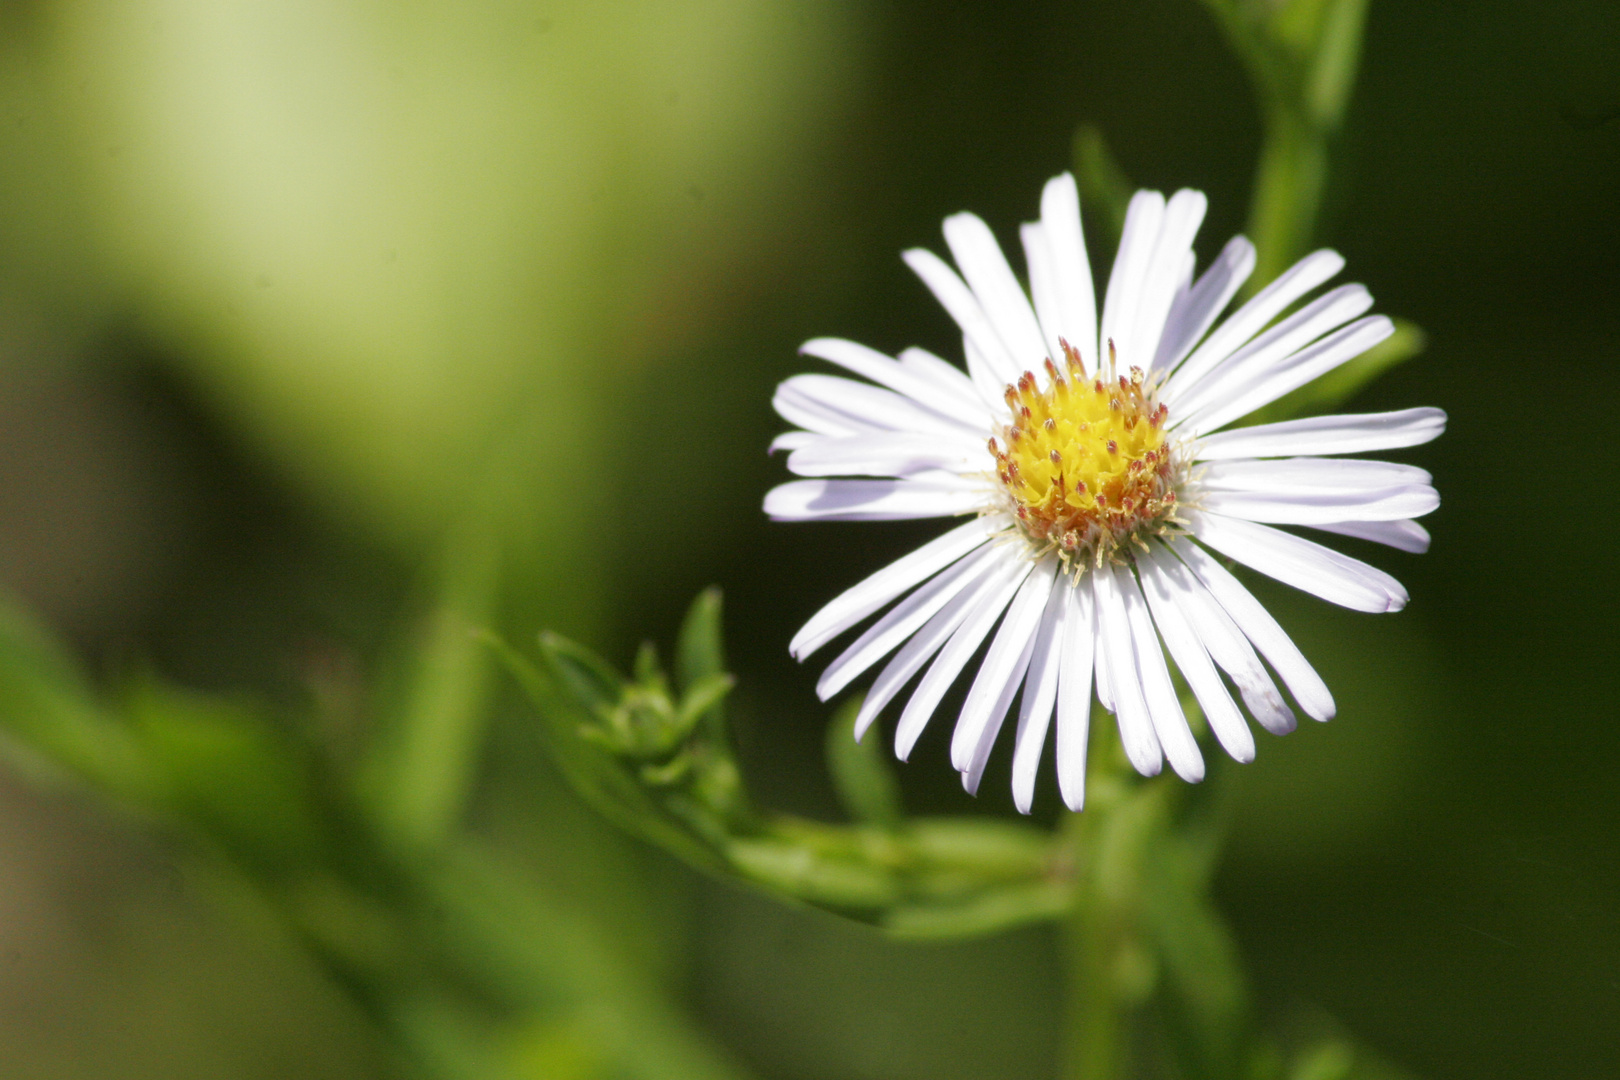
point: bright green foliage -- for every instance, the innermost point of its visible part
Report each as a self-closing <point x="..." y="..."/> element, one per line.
<point x="658" y="762"/>
<point x="474" y="966"/>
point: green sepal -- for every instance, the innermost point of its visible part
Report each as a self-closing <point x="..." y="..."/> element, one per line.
<point x="567" y="690"/>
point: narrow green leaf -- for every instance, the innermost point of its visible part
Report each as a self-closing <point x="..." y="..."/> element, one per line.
<point x="418" y="774"/>
<point x="987" y="912"/>
<point x="1332" y="1060"/>
<point x="700" y="654"/>
<point x="703" y="697"/>
<point x="801" y="872"/>
<point x="589" y="678"/>
<point x="866" y="785"/>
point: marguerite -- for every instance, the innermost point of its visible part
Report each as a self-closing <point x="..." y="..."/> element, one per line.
<point x="1093" y="461"/>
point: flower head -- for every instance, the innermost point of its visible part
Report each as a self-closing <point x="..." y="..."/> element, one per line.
<point x="1094" y="462"/>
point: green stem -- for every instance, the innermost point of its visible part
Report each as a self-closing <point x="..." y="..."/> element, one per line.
<point x="1096" y="938"/>
<point x="1287" y="192"/>
<point x="1095" y="1045"/>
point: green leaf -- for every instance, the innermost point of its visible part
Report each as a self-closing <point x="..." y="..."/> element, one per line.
<point x="988" y="912"/>
<point x="1329" y="1061"/>
<point x="703" y="698"/>
<point x="230" y="773"/>
<point x="866" y="785"/>
<point x="589" y="678"/>
<point x="49" y="711"/>
<point x="417" y="776"/>
<point x="1344" y="382"/>
<point x="567" y="691"/>
<point x="700" y="654"/>
<point x="1104" y="187"/>
<point x="800" y="871"/>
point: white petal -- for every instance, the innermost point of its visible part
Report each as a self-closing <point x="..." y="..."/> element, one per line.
<point x="857" y="602"/>
<point x="792" y="440"/>
<point x="1297" y="370"/>
<point x="1254" y="316"/>
<point x="1308" y="474"/>
<point x="905" y="619"/>
<point x="857" y="405"/>
<point x="925" y="643"/>
<point x="1405" y="535"/>
<point x="1040" y="694"/>
<point x="1226" y="644"/>
<point x="1195" y="311"/>
<point x="813" y="416"/>
<point x="1043" y="289"/>
<point x="943" y="374"/>
<point x="1105" y="694"/>
<point x="1076" y="299"/>
<point x="952" y="658"/>
<point x="889" y="454"/>
<point x="1266" y="352"/>
<point x="1323" y="508"/>
<point x="1304" y="564"/>
<point x="873" y="365"/>
<point x="998" y="716"/>
<point x="1164" y="709"/>
<point x="1346" y="434"/>
<point x="927" y="495"/>
<point x="1012" y="640"/>
<point x="1259" y="627"/>
<point x="986" y="384"/>
<point x="1000" y="296"/>
<point x="1117" y="653"/>
<point x="1074" y="692"/>
<point x="1194" y="663"/>
<point x="1125" y="285"/>
<point x="958" y="300"/>
<point x="1170" y="265"/>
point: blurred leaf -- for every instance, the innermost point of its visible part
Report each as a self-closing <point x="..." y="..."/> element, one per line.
<point x="987" y="912"/>
<point x="1104" y="187"/>
<point x="46" y="707"/>
<point x="1330" y="1061"/>
<point x="1338" y="386"/>
<point x="866" y="785"/>
<point x="1203" y="986"/>
<point x="229" y="773"/>
<point x="842" y="881"/>
<point x="423" y="763"/>
<point x="562" y="973"/>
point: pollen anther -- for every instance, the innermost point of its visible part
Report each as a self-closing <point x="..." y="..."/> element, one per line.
<point x="1087" y="464"/>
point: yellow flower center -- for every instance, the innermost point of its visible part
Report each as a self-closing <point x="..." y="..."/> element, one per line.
<point x="1085" y="464"/>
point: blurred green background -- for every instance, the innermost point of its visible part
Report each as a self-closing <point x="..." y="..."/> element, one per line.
<point x="291" y="294"/>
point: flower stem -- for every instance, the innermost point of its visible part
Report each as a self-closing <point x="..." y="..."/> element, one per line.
<point x="1098" y="940"/>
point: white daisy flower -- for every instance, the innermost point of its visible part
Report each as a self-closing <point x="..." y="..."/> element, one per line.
<point x="1102" y="487"/>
